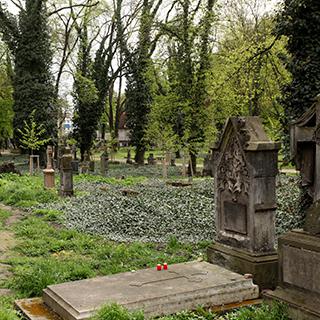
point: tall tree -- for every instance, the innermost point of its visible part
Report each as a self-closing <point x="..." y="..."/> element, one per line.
<point x="189" y="33"/>
<point x="86" y="113"/>
<point x="139" y="79"/>
<point x="29" y="42"/>
<point x="299" y="22"/>
<point x="6" y="100"/>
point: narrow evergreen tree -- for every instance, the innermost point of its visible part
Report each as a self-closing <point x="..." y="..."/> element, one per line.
<point x="87" y="113"/>
<point x="29" y="41"/>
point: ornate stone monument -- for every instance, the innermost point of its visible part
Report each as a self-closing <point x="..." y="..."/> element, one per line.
<point x="66" y="177"/>
<point x="245" y="180"/>
<point x="299" y="250"/>
<point x="49" y="171"/>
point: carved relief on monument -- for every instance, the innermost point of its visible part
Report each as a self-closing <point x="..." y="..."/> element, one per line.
<point x="233" y="173"/>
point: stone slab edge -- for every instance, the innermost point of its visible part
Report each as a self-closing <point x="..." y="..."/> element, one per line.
<point x="209" y="296"/>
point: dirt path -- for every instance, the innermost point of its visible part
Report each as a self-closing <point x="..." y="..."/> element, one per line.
<point x="7" y="242"/>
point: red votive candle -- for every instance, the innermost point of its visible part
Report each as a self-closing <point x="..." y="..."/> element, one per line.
<point x="165" y="266"/>
<point x="159" y="267"/>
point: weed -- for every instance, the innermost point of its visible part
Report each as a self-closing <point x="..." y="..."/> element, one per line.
<point x="116" y="312"/>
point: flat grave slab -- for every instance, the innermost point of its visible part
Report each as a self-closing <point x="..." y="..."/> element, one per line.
<point x="183" y="287"/>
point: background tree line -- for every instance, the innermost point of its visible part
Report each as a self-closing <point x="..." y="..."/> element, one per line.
<point x="177" y="68"/>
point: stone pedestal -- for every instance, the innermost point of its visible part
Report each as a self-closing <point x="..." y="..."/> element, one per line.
<point x="245" y="171"/>
<point x="49" y="178"/>
<point x="49" y="172"/>
<point x="263" y="266"/>
<point x="299" y="274"/>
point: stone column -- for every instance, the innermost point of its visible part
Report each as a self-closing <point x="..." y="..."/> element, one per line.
<point x="66" y="183"/>
<point x="49" y="177"/>
<point x="245" y="181"/>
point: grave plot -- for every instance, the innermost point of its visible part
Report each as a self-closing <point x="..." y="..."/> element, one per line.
<point x="182" y="287"/>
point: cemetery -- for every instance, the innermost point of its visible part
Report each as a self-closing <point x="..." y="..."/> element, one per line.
<point x="159" y="159"/>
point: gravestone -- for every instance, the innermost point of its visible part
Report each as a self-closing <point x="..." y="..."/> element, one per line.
<point x="151" y="160"/>
<point x="104" y="162"/>
<point x="245" y="181"/>
<point x="75" y="161"/>
<point x="49" y="171"/>
<point x="129" y="160"/>
<point x="66" y="176"/>
<point x="85" y="164"/>
<point x="299" y="250"/>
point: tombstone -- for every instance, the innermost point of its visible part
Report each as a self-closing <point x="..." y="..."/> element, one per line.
<point x="208" y="169"/>
<point x="129" y="160"/>
<point x="172" y="160"/>
<point x="66" y="183"/>
<point x="84" y="165"/>
<point x="245" y="182"/>
<point x="49" y="171"/>
<point x="299" y="250"/>
<point x="104" y="162"/>
<point x="75" y="161"/>
<point x="91" y="165"/>
<point x="151" y="160"/>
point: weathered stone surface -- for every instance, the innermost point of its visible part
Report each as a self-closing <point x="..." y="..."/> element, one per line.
<point x="183" y="286"/>
<point x="246" y="167"/>
<point x="312" y="224"/>
<point x="263" y="267"/>
<point x="301" y="306"/>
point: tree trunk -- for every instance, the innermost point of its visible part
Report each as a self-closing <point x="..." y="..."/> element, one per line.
<point x="192" y="169"/>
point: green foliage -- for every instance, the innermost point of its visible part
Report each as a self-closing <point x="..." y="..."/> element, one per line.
<point x="116" y="312"/>
<point x="6" y="101"/>
<point x="33" y="86"/>
<point x="247" y="73"/>
<point x="32" y="278"/>
<point x="24" y="191"/>
<point x="140" y="82"/>
<point x="4" y="215"/>
<point x="299" y="22"/>
<point x="31" y="134"/>
<point x="6" y="309"/>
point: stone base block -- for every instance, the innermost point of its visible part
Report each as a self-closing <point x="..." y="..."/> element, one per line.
<point x="263" y="267"/>
<point x="183" y="287"/>
<point x="301" y="306"/>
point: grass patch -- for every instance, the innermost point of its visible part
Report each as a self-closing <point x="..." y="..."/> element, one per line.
<point x="6" y="309"/>
<point x="264" y="312"/>
<point x="125" y="181"/>
<point x="4" y="215"/>
<point x="47" y="255"/>
<point x="49" y="214"/>
<point x="24" y="191"/>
